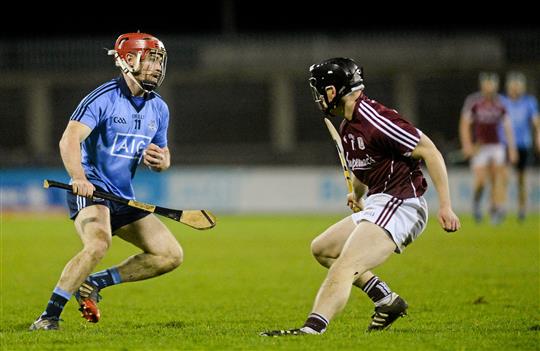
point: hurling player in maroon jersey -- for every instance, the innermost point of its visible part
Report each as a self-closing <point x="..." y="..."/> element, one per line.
<point x="383" y="152"/>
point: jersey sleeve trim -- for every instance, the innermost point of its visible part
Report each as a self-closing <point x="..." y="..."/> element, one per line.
<point x="387" y="127"/>
<point x="81" y="109"/>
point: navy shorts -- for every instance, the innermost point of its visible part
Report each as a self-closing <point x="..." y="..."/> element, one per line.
<point x="121" y="214"/>
<point x="523" y="159"/>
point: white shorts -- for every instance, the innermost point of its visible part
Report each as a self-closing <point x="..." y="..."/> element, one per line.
<point x="403" y="219"/>
<point x="489" y="153"/>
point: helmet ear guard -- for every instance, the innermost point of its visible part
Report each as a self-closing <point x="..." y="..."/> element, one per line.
<point x="124" y="66"/>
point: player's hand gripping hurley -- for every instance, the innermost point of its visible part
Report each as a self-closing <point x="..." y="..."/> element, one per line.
<point x="337" y="140"/>
<point x="197" y="219"/>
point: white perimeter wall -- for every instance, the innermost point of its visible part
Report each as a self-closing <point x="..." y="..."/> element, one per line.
<point x="238" y="189"/>
<point x="300" y="190"/>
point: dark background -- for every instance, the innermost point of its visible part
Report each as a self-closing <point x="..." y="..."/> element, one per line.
<point x="268" y="17"/>
<point x="55" y="43"/>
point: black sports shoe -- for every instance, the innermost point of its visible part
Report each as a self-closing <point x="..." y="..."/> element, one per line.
<point x="299" y="331"/>
<point x="385" y="315"/>
<point x="45" y="323"/>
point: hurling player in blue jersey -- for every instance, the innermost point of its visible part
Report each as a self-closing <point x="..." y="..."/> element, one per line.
<point x="522" y="109"/>
<point x="114" y="128"/>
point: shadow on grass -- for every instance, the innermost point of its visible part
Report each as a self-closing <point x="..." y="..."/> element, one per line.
<point x="17" y="327"/>
<point x="158" y="325"/>
<point x="490" y="330"/>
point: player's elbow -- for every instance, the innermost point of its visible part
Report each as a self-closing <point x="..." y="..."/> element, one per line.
<point x="64" y="144"/>
<point x="68" y="141"/>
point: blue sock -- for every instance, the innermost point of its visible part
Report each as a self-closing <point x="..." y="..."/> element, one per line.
<point x="56" y="304"/>
<point x="105" y="278"/>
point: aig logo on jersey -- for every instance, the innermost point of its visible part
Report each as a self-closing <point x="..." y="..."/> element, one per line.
<point x="129" y="145"/>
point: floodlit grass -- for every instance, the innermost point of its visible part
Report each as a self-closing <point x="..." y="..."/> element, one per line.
<point x="477" y="289"/>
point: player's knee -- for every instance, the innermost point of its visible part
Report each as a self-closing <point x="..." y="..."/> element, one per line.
<point x="316" y="247"/>
<point x="322" y="254"/>
<point x="319" y="249"/>
<point x="173" y="259"/>
<point x="177" y="257"/>
<point x="97" y="248"/>
<point x="100" y="243"/>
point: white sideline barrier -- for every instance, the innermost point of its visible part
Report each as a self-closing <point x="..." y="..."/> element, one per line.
<point x="241" y="189"/>
<point x="304" y="190"/>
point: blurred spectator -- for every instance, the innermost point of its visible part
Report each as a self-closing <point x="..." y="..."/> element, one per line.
<point x="523" y="112"/>
<point x="481" y="116"/>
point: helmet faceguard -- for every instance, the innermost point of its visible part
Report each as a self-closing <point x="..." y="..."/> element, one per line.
<point x="143" y="47"/>
<point x="341" y="73"/>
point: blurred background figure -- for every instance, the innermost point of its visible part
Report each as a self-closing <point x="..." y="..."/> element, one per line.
<point x="481" y="117"/>
<point x="522" y="109"/>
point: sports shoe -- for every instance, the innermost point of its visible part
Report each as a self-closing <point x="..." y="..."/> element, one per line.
<point x="88" y="296"/>
<point x="300" y="331"/>
<point x="385" y="315"/>
<point x="45" y="323"/>
<point x="521" y="215"/>
<point x="497" y="216"/>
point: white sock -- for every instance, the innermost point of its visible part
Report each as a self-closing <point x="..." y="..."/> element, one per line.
<point x="387" y="300"/>
<point x="308" y="330"/>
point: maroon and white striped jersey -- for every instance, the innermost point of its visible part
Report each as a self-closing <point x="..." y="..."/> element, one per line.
<point x="378" y="143"/>
<point x="486" y="116"/>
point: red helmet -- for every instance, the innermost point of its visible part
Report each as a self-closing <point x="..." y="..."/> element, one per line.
<point x="135" y="42"/>
<point x="139" y="44"/>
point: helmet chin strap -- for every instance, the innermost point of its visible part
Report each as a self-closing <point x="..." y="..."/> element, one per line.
<point x="329" y="107"/>
<point x="128" y="70"/>
<point x="147" y="88"/>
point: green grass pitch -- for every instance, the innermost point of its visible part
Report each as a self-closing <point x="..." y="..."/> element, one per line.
<point x="477" y="289"/>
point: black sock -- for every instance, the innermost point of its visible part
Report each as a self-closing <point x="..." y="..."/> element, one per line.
<point x="105" y="278"/>
<point x="56" y="304"/>
<point x="376" y="289"/>
<point x="316" y="322"/>
<point x="477" y="196"/>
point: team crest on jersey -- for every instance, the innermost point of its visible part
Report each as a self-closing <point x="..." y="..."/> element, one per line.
<point x="152" y="125"/>
<point x="129" y="145"/>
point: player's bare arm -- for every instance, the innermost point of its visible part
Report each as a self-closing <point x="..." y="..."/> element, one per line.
<point x="427" y="151"/>
<point x="354" y="199"/>
<point x="465" y="136"/>
<point x="70" y="151"/>
<point x="158" y="159"/>
<point x="536" y="123"/>
<point x="509" y="134"/>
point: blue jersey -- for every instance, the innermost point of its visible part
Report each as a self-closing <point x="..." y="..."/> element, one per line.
<point x="521" y="113"/>
<point x="122" y="127"/>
